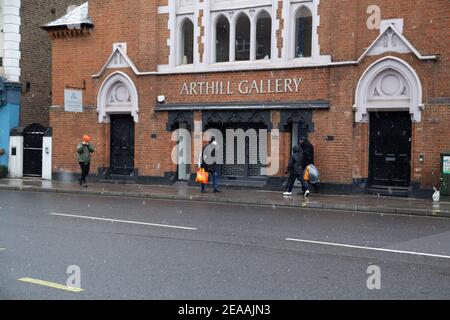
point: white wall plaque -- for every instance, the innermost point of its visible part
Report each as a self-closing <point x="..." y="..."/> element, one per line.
<point x="73" y="100"/>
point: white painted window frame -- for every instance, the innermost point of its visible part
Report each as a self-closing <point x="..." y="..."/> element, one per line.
<point x="180" y="39"/>
<point x="315" y="50"/>
<point x="232" y="20"/>
<point x="213" y="33"/>
<point x="272" y="37"/>
<point x="210" y="16"/>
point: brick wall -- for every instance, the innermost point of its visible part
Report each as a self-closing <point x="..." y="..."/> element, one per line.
<point x="342" y="34"/>
<point x="36" y="58"/>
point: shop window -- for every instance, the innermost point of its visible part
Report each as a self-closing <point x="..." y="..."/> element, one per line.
<point x="242" y="40"/>
<point x="303" y="33"/>
<point x="187" y="42"/>
<point x="263" y="36"/>
<point x="222" y="39"/>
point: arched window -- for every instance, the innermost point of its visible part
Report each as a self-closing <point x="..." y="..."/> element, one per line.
<point x="242" y="40"/>
<point x="263" y="36"/>
<point x="187" y="42"/>
<point x="222" y="39"/>
<point x="303" y="33"/>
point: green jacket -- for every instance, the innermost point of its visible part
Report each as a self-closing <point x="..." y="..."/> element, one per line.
<point x="84" y="152"/>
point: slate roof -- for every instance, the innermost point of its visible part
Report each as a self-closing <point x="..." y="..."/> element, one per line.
<point x="74" y="19"/>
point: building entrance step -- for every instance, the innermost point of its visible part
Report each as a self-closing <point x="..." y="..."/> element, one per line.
<point x="389" y="191"/>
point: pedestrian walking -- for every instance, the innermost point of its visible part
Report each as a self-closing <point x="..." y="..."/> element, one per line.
<point x="207" y="161"/>
<point x="308" y="159"/>
<point x="295" y="171"/>
<point x="308" y="151"/>
<point x="84" y="151"/>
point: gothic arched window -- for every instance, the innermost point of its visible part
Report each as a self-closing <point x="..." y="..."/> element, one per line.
<point x="242" y="40"/>
<point x="222" y="39"/>
<point x="263" y="36"/>
<point x="187" y="42"/>
<point x="303" y="33"/>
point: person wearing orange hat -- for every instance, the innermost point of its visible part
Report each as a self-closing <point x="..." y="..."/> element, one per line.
<point x="84" y="150"/>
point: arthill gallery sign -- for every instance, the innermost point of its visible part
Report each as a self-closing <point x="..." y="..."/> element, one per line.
<point x="246" y="87"/>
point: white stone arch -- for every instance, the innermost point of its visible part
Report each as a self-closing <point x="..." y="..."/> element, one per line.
<point x="117" y="95"/>
<point x="389" y="84"/>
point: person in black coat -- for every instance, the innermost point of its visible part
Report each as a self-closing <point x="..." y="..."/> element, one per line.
<point x="208" y="163"/>
<point x="295" y="171"/>
<point x="308" y="152"/>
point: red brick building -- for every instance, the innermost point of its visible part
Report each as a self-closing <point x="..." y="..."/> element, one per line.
<point x="35" y="62"/>
<point x="367" y="81"/>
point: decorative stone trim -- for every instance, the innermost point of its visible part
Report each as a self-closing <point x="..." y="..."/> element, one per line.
<point x="70" y="33"/>
<point x="117" y="95"/>
<point x="178" y="117"/>
<point x="288" y="117"/>
<point x="236" y="116"/>
<point x="389" y="84"/>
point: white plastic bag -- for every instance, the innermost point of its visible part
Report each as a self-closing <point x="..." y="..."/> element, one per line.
<point x="314" y="175"/>
<point x="436" y="195"/>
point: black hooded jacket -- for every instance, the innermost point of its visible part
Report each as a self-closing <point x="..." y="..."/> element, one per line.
<point x="207" y="158"/>
<point x="308" y="153"/>
<point x="295" y="162"/>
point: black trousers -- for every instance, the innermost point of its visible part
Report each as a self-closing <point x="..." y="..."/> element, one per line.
<point x="85" y="167"/>
<point x="291" y="182"/>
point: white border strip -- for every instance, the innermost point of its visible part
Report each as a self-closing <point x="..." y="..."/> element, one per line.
<point x="369" y="248"/>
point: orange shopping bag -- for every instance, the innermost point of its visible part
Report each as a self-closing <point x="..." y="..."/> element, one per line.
<point x="202" y="176"/>
<point x="306" y="176"/>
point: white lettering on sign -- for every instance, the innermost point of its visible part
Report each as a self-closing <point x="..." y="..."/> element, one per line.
<point x="244" y="87"/>
<point x="73" y="100"/>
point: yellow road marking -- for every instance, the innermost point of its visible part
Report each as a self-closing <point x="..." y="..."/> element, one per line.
<point x="51" y="284"/>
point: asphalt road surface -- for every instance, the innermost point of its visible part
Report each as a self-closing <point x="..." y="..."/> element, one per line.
<point x="59" y="246"/>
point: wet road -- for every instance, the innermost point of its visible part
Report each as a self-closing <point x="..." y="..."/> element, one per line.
<point x="120" y="248"/>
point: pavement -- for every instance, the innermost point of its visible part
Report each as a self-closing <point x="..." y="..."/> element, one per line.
<point x="354" y="203"/>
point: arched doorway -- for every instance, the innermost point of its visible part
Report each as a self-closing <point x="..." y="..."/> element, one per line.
<point x="389" y="98"/>
<point x="118" y="105"/>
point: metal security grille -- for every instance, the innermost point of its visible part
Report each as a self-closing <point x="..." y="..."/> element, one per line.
<point x="33" y="137"/>
<point x="248" y="168"/>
